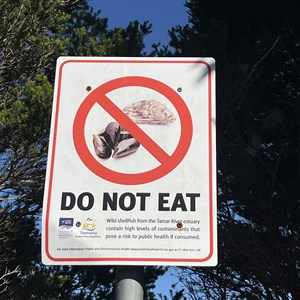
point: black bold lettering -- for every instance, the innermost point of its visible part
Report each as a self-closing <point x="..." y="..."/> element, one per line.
<point x="111" y="202"/>
<point x="193" y="197"/>
<point x="143" y="199"/>
<point x="179" y="203"/>
<point x="122" y="201"/>
<point x="162" y="201"/>
<point x="67" y="205"/>
<point x="90" y="202"/>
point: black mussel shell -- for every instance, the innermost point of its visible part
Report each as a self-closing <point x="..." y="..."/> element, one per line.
<point x="112" y="134"/>
<point x="102" y="132"/>
<point x="126" y="147"/>
<point x="102" y="149"/>
<point x="124" y="135"/>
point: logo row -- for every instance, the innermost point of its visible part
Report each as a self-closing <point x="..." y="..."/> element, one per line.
<point x="68" y="223"/>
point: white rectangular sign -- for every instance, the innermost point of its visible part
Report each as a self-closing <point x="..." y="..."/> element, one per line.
<point x="131" y="175"/>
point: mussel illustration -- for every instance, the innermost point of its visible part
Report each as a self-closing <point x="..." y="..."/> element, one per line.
<point x="115" y="141"/>
<point x="125" y="135"/>
<point x="112" y="134"/>
<point x="102" y="149"/>
<point x="126" y="147"/>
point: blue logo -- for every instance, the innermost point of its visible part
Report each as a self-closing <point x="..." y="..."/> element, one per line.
<point x="66" y="223"/>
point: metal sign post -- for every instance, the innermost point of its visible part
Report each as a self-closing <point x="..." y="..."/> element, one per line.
<point x="129" y="283"/>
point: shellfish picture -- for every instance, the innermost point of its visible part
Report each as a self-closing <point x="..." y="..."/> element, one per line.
<point x="114" y="141"/>
<point x="149" y="112"/>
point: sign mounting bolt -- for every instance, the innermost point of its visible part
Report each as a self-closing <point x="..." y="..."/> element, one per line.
<point x="179" y="224"/>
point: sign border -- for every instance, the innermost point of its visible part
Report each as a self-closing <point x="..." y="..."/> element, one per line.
<point x="211" y="163"/>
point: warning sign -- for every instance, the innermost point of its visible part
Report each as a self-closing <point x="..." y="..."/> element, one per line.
<point x="131" y="165"/>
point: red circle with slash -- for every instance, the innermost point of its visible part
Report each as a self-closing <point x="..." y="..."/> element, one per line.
<point x="167" y="162"/>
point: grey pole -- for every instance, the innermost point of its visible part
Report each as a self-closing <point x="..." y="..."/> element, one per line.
<point x="129" y="283"/>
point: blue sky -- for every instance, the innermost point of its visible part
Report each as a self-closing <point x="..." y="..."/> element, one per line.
<point x="162" y="14"/>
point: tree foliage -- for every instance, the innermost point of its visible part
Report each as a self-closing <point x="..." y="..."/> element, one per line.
<point x="33" y="34"/>
<point x="256" y="47"/>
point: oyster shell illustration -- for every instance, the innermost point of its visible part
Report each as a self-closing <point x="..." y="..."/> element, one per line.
<point x="149" y="112"/>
